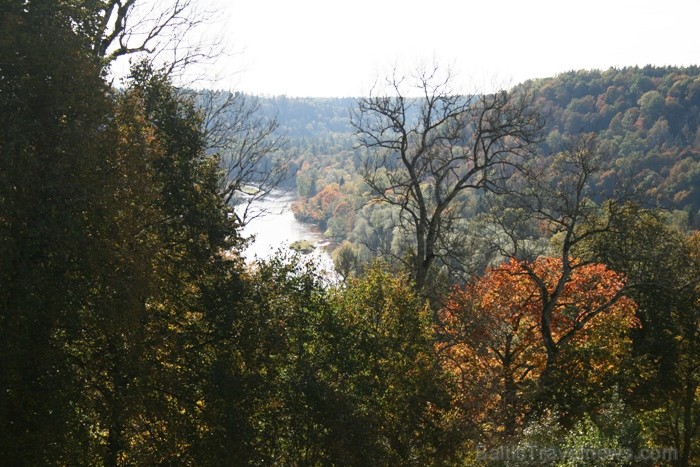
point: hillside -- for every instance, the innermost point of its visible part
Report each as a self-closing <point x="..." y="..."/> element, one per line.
<point x="646" y="120"/>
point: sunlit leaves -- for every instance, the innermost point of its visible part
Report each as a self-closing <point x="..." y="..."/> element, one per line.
<point x="493" y="333"/>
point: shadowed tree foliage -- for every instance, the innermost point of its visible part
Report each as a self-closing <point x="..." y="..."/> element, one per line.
<point x="157" y="345"/>
<point x="54" y="109"/>
<point x="661" y="264"/>
<point x="392" y="375"/>
<point x="112" y="229"/>
<point x="319" y="376"/>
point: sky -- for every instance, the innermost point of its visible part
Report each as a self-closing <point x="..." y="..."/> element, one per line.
<point x="337" y="48"/>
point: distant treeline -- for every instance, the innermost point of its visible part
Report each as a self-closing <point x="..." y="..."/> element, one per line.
<point x="646" y="120"/>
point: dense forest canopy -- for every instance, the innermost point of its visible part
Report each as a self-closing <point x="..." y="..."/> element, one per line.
<point x="553" y="320"/>
<point x="646" y="119"/>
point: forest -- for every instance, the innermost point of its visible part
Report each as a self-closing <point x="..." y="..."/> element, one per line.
<point x="518" y="270"/>
<point x="628" y="110"/>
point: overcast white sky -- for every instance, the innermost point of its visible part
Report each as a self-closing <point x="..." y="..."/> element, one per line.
<point x="336" y="48"/>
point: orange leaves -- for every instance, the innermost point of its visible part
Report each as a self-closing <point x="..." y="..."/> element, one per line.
<point x="327" y="197"/>
<point x="321" y="207"/>
<point x="494" y="329"/>
<point x="509" y="299"/>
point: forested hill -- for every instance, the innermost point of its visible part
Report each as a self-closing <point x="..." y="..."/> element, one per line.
<point x="308" y="117"/>
<point x="646" y="118"/>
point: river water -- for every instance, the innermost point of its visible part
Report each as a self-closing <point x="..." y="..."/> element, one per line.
<point x="275" y="228"/>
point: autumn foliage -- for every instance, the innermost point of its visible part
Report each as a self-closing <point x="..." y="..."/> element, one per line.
<point x="322" y="206"/>
<point x="493" y="335"/>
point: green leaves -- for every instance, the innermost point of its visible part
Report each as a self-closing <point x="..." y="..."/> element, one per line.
<point x="54" y="109"/>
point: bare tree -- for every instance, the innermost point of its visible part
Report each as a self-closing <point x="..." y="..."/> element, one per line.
<point x="247" y="141"/>
<point x="124" y="27"/>
<point x="426" y="151"/>
<point x="252" y="150"/>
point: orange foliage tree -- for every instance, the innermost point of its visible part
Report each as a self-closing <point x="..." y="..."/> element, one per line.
<point x="493" y="334"/>
<point x="321" y="207"/>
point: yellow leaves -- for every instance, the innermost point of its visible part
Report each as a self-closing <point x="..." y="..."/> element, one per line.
<point x="493" y="327"/>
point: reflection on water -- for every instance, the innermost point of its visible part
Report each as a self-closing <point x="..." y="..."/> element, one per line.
<point x="276" y="228"/>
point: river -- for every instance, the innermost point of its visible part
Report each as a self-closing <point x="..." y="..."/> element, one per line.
<point x="276" y="228"/>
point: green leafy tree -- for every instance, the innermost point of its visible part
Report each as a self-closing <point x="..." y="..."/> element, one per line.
<point x="54" y="109"/>
<point x="314" y="376"/>
<point x="661" y="265"/>
<point x="345" y="260"/>
<point x="266" y="389"/>
<point x="391" y="372"/>
<point x="651" y="104"/>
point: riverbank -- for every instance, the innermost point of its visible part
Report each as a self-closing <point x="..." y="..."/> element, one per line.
<point x="275" y="228"/>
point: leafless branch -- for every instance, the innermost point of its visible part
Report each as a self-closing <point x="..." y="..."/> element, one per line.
<point x="163" y="30"/>
<point x="253" y="152"/>
<point x="425" y="151"/>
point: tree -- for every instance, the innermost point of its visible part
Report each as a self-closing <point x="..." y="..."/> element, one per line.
<point x="386" y="368"/>
<point x="310" y="375"/>
<point x="661" y="264"/>
<point x="492" y="337"/>
<point x="248" y="143"/>
<point x="116" y="264"/>
<point x="428" y="150"/>
<point x="264" y="388"/>
<point x="651" y="104"/>
<point x="549" y="209"/>
<point x="54" y="196"/>
<point x="345" y="260"/>
<point x="116" y="28"/>
<point x="156" y="354"/>
<point x="140" y="264"/>
<point x="251" y="148"/>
